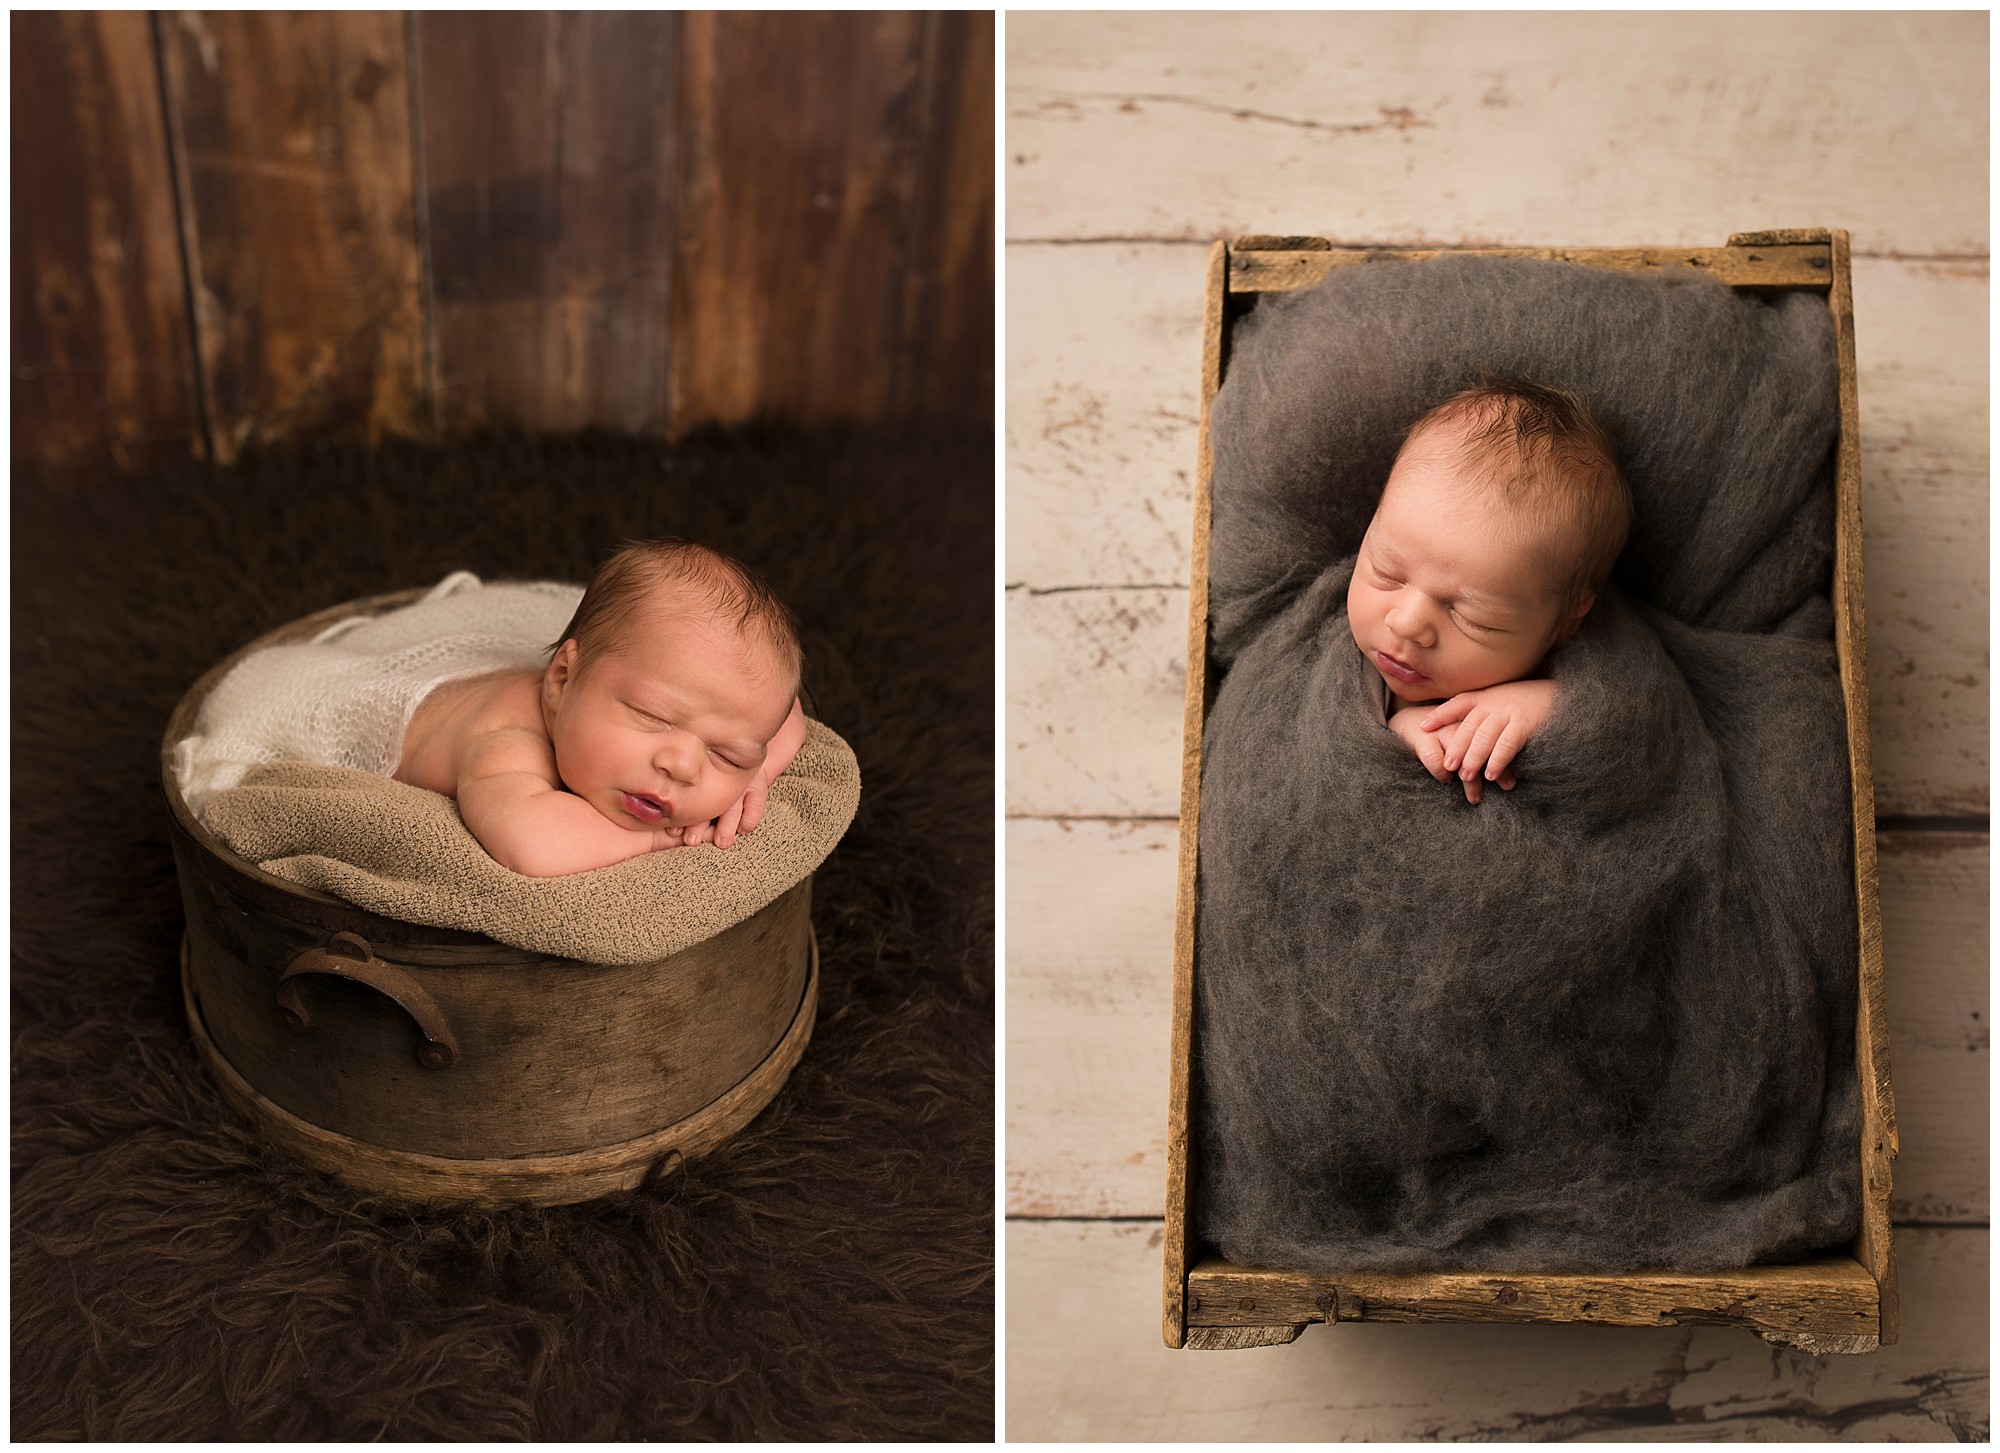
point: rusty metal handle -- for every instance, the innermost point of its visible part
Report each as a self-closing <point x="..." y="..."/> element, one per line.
<point x="350" y="956"/>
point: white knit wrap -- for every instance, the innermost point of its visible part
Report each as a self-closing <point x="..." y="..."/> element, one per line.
<point x="345" y="698"/>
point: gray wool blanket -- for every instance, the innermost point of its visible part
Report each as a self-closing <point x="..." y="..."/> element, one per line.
<point x="1602" y="1021"/>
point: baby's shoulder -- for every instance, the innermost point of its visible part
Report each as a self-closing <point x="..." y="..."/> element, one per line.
<point x="506" y="716"/>
<point x="475" y="728"/>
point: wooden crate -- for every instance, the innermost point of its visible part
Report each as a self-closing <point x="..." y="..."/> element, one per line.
<point x="1841" y="1303"/>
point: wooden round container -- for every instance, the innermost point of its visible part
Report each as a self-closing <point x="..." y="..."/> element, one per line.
<point x="440" y="1066"/>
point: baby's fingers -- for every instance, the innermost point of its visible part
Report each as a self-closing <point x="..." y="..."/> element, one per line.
<point x="1481" y="746"/>
<point x="1463" y="740"/>
<point x="753" y="807"/>
<point x="1504" y="751"/>
<point x="725" y="825"/>
<point x="1431" y="755"/>
<point x="1446" y="712"/>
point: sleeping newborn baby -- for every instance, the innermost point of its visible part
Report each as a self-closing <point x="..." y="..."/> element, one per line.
<point x="668" y="708"/>
<point x="1501" y="519"/>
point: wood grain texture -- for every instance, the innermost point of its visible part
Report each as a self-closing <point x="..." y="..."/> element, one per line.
<point x="554" y="1056"/>
<point x="548" y="154"/>
<point x="1778" y="266"/>
<point x="1873" y="1246"/>
<point x="1102" y="414"/>
<point x="103" y="358"/>
<point x="1921" y="361"/>
<point x="537" y="1180"/>
<point x="1194" y="710"/>
<point x="1084" y="1363"/>
<point x="298" y="218"/>
<point x="1090" y="921"/>
<point x="797" y="175"/>
<point x="1410" y="130"/>
<point x="1936" y="922"/>
<point x="944" y="364"/>
<point x="1095" y="680"/>
<point x="1831" y="1298"/>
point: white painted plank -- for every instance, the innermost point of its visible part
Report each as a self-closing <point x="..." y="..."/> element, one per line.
<point x="1094" y="682"/>
<point x="1085" y="1363"/>
<point x="1559" y="129"/>
<point x="1103" y="408"/>
<point x="1921" y="339"/>
<point x="1089" y="979"/>
<point x="1935" y="934"/>
<point x="1090" y="941"/>
<point x="1103" y="344"/>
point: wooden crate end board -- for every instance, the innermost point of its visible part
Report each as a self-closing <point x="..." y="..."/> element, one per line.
<point x="1838" y="1304"/>
<point x="1832" y="1297"/>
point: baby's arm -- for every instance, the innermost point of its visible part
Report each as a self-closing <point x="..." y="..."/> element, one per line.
<point x="533" y="827"/>
<point x="1488" y="728"/>
<point x="748" y="810"/>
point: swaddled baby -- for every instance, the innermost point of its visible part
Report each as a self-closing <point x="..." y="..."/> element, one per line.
<point x="1501" y="519"/>
<point x="666" y="711"/>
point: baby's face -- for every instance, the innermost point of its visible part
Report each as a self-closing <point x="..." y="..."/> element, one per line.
<point x="1453" y="589"/>
<point x="666" y="726"/>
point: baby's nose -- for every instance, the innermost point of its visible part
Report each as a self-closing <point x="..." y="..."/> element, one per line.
<point x="678" y="755"/>
<point x="1410" y="622"/>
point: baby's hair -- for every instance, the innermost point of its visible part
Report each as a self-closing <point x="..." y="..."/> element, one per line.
<point x="1546" y="452"/>
<point x="724" y="588"/>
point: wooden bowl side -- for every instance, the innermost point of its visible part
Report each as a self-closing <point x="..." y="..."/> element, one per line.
<point x="536" y="1180"/>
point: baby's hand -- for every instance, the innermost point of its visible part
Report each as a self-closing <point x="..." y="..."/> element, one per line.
<point x="743" y="816"/>
<point x="1484" y="730"/>
<point x="1428" y="746"/>
<point x="748" y="810"/>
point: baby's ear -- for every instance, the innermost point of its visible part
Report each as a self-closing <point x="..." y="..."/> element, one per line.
<point x="561" y="668"/>
<point x="1576" y="616"/>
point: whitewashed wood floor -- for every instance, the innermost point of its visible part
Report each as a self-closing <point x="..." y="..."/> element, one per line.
<point x="1132" y="140"/>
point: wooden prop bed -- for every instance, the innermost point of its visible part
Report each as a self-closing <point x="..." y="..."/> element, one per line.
<point x="1837" y="1303"/>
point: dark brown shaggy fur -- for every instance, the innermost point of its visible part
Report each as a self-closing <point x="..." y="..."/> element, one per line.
<point x="828" y="1274"/>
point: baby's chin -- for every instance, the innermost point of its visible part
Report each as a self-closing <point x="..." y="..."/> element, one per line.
<point x="1413" y="695"/>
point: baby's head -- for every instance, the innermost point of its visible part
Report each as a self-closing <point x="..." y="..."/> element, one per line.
<point x="676" y="671"/>
<point x="1502" y="517"/>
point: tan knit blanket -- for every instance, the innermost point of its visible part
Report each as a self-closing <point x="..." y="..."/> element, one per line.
<point x="403" y="852"/>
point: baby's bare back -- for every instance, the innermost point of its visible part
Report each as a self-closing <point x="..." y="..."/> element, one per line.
<point x="460" y="712"/>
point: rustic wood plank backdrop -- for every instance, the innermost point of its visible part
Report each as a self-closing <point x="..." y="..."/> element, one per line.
<point x="1132" y="141"/>
<point x="235" y="227"/>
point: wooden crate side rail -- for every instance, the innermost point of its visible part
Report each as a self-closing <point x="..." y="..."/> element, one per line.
<point x="1180" y="1184"/>
<point x="1788" y="265"/>
<point x="1874" y="1247"/>
<point x="1834" y="1290"/>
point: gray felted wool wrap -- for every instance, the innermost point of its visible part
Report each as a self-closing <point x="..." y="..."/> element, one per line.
<point x="1604" y="1020"/>
<point x="405" y="853"/>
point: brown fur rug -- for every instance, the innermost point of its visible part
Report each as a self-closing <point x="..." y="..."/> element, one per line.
<point x="826" y="1275"/>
